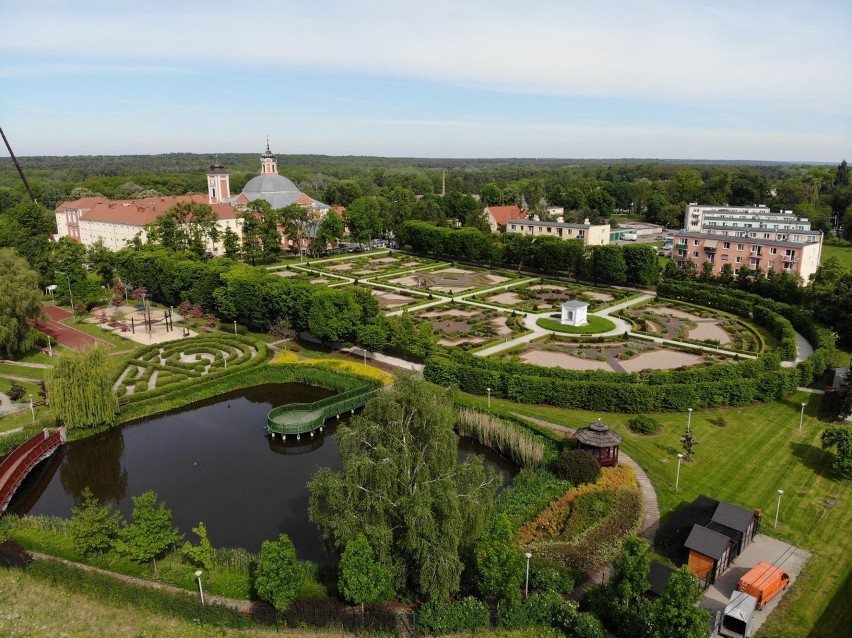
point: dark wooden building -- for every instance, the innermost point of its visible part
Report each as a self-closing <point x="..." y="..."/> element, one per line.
<point x="709" y="554"/>
<point x="738" y="524"/>
<point x="601" y="441"/>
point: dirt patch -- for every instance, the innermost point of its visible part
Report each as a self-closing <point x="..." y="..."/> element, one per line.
<point x="660" y="360"/>
<point x="546" y="287"/>
<point x="385" y="260"/>
<point x="450" y="313"/>
<point x="454" y="271"/>
<point x="286" y="273"/>
<point x="709" y="329"/>
<point x="665" y="310"/>
<point x="391" y="300"/>
<point x="449" y="343"/>
<point x="340" y="267"/>
<point x="599" y="296"/>
<point x="562" y="360"/>
<point x="319" y="280"/>
<point x="496" y="279"/>
<point x="450" y="327"/>
<point x="505" y="298"/>
<point x="500" y="327"/>
<point x="363" y="272"/>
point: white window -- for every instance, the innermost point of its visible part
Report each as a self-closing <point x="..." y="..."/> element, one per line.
<point x="695" y="254"/>
<point x="740" y="247"/>
<point x="695" y="242"/>
<point x="739" y="260"/>
<point x="724" y="258"/>
<point x="771" y="264"/>
<point x="773" y="251"/>
<point x="726" y="244"/>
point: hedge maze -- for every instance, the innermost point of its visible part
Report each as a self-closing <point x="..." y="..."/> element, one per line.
<point x="161" y="368"/>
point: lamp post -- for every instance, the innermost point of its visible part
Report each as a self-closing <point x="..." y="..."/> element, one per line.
<point x="689" y="420"/>
<point x="488" y="390"/>
<point x="200" y="590"/>
<point x="777" y="509"/>
<point x="32" y="407"/>
<point x="235" y="328"/>
<point x="49" y="348"/>
<point x="677" y="479"/>
<point x="802" y="417"/>
<point x="527" y="584"/>
<point x="225" y="358"/>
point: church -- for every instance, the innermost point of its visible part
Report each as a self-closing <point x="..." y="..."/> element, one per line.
<point x="116" y="222"/>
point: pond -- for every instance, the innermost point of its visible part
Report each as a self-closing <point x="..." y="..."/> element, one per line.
<point x="210" y="461"/>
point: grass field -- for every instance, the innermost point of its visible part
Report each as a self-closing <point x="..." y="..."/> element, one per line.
<point x="842" y="253"/>
<point x="745" y="462"/>
<point x="595" y="325"/>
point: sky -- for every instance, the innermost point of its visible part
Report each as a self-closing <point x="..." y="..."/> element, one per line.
<point x="735" y="80"/>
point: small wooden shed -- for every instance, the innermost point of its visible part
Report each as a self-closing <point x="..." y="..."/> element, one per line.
<point x="737" y="523"/>
<point x="601" y="441"/>
<point x="709" y="554"/>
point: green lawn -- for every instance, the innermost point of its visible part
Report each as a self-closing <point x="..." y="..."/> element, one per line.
<point x="595" y="325"/>
<point x="842" y="253"/>
<point x="745" y="462"/>
<point x="22" y="371"/>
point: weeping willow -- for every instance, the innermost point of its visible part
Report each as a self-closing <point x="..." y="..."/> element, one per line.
<point x="78" y="387"/>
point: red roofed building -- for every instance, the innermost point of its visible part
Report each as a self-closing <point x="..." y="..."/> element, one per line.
<point x="500" y="216"/>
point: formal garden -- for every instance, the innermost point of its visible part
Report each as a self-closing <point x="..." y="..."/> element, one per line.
<point x="614" y="354"/>
<point x="546" y="294"/>
<point x="451" y="281"/>
<point x="458" y="325"/>
<point x="684" y="322"/>
<point x="372" y="266"/>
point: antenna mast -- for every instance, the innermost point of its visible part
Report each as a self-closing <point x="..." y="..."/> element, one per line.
<point x="18" y="166"/>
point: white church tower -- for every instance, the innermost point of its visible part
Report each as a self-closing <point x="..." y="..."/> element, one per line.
<point x="268" y="163"/>
<point x="218" y="183"/>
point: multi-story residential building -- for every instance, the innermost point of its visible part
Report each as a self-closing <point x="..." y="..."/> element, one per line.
<point x="717" y="218"/>
<point x="779" y="255"/>
<point x="590" y="234"/>
<point x="499" y="216"/>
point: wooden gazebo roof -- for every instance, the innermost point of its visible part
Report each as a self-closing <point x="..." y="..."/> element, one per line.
<point x="597" y="434"/>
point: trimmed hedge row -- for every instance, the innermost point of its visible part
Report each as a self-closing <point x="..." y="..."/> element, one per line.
<point x="660" y="391"/>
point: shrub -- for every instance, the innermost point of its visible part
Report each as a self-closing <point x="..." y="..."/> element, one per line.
<point x="13" y="555"/>
<point x="121" y="390"/>
<point x="536" y="610"/>
<point x="577" y="466"/>
<point x="552" y="577"/>
<point x="438" y="618"/>
<point x="140" y="386"/>
<point x="644" y="424"/>
<point x="16" y="391"/>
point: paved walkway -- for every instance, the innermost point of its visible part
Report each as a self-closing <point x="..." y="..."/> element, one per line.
<point x="66" y="335"/>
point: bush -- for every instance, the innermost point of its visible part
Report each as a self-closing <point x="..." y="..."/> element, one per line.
<point x="534" y="611"/>
<point x="644" y="424"/>
<point x="577" y="466"/>
<point x="552" y="577"/>
<point x="140" y="386"/>
<point x="13" y="555"/>
<point x="437" y="618"/>
<point x="16" y="391"/>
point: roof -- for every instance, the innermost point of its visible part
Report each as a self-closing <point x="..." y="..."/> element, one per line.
<point x="840" y="375"/>
<point x="138" y="212"/>
<point x="534" y="222"/>
<point x="84" y="202"/>
<point x="597" y="434"/>
<point x="575" y="305"/>
<point x="746" y="240"/>
<point x="741" y="606"/>
<point x="658" y="577"/>
<point x="504" y="214"/>
<point x="706" y="541"/>
<point x="278" y="191"/>
<point x="734" y="517"/>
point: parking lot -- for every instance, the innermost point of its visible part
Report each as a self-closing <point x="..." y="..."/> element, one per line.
<point x="763" y="548"/>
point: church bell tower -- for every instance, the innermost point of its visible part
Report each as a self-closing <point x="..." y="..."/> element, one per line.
<point x="218" y="183"/>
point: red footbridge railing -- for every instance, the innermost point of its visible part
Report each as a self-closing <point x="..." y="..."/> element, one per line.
<point x="23" y="459"/>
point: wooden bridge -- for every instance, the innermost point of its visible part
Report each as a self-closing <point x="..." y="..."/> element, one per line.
<point x="23" y="459"/>
<point x="307" y="418"/>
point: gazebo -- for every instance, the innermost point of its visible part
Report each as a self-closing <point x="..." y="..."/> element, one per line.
<point x="602" y="442"/>
<point x="574" y="313"/>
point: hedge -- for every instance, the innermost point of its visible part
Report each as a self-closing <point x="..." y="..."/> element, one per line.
<point x="437" y="617"/>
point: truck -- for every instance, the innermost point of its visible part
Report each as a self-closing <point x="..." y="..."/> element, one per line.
<point x="764" y="581"/>
<point x="737" y="617"/>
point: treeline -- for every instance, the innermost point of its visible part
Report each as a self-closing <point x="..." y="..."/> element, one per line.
<point x="633" y="264"/>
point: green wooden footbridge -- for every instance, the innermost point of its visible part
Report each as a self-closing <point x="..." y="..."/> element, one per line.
<point x="308" y="418"/>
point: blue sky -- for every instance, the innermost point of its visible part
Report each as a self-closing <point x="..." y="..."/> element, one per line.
<point x="763" y="80"/>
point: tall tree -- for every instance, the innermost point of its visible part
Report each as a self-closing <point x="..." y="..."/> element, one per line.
<point x="676" y="612"/>
<point x="79" y="388"/>
<point x="404" y="489"/>
<point x="329" y="232"/>
<point x="187" y="226"/>
<point x="93" y="528"/>
<point x="151" y="534"/>
<point x="499" y="564"/>
<point x="643" y="268"/>
<point x="363" y="219"/>
<point x="20" y="303"/>
<point x="279" y="575"/>
<point x="362" y="578"/>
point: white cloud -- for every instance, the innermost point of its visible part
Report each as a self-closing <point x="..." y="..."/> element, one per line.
<point x="665" y="50"/>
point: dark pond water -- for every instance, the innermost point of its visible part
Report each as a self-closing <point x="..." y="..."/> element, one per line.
<point x="210" y="461"/>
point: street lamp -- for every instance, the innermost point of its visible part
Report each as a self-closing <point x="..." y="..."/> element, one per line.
<point x="70" y="294"/>
<point x="32" y="407"/>
<point x="235" y="327"/>
<point x="488" y="390"/>
<point x="49" y="348"/>
<point x="200" y="590"/>
<point x="677" y="479"/>
<point x="777" y="509"/>
<point x="225" y="357"/>
<point x="527" y="585"/>
<point x="802" y="417"/>
<point x="689" y="421"/>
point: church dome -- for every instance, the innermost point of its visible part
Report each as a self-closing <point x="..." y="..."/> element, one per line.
<point x="269" y="184"/>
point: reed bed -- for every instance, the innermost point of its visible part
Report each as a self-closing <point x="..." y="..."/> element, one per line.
<point x="523" y="448"/>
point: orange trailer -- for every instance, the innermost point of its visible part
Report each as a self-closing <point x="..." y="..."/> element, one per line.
<point x="764" y="582"/>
